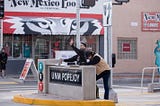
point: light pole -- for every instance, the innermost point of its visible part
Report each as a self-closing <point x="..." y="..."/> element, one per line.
<point x="82" y="4"/>
<point x="1" y="33"/>
<point x="1" y="22"/>
<point x="107" y="23"/>
<point x="78" y="24"/>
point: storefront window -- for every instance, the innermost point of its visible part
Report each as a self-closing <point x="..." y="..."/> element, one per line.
<point x="62" y="43"/>
<point x="8" y="45"/>
<point x="41" y="48"/>
<point x="91" y="42"/>
<point x="127" y="48"/>
<point x="27" y="46"/>
<point x="17" y="44"/>
<point x="59" y="43"/>
<point x="34" y="46"/>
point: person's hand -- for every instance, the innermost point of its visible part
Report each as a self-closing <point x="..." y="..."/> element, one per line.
<point x="71" y="42"/>
<point x="60" y="61"/>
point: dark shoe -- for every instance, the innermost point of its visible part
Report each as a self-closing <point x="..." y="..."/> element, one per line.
<point x="97" y="92"/>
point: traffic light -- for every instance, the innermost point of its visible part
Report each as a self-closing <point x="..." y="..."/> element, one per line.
<point x="88" y="2"/>
<point x="1" y="8"/>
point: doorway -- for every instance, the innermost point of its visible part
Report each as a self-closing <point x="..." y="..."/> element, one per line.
<point x="41" y="48"/>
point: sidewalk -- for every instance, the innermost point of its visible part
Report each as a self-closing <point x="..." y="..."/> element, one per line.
<point x="35" y="98"/>
<point x="128" y="95"/>
<point x="132" y="96"/>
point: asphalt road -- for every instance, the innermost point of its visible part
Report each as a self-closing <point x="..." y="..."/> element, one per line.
<point x="127" y="95"/>
<point x="10" y="88"/>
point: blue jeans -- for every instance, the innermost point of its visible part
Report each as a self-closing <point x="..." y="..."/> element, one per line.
<point x="105" y="75"/>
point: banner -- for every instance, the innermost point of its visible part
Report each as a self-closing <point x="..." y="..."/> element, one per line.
<point x="150" y="21"/>
<point x="51" y="17"/>
<point x="29" y="64"/>
<point x="51" y="6"/>
<point x="51" y="25"/>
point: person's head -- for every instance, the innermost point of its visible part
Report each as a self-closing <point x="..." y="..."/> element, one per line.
<point x="2" y="50"/>
<point x="89" y="54"/>
<point x="83" y="45"/>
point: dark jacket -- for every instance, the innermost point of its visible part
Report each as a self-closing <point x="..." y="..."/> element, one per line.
<point x="99" y="62"/>
<point x="3" y="60"/>
<point x="80" y="57"/>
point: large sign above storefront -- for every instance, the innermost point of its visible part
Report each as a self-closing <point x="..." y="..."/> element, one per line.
<point x="59" y="6"/>
<point x="150" y="21"/>
<point x="50" y="26"/>
<point x="51" y="17"/>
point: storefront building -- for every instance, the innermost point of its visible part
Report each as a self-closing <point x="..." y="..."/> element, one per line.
<point x="136" y="29"/>
<point x="35" y="29"/>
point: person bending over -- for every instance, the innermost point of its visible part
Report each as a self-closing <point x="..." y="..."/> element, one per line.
<point x="102" y="70"/>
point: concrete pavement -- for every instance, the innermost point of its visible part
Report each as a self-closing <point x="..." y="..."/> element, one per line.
<point x="132" y="96"/>
<point x="127" y="96"/>
<point x="35" y="98"/>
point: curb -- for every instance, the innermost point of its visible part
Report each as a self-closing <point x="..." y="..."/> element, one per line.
<point x="36" y="101"/>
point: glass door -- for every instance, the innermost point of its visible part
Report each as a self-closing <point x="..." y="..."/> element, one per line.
<point x="41" y="48"/>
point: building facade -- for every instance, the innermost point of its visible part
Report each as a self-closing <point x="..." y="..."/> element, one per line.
<point x="136" y="29"/>
<point x="34" y="29"/>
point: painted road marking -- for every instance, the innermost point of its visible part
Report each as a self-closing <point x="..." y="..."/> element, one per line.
<point x="8" y="83"/>
<point x="138" y="104"/>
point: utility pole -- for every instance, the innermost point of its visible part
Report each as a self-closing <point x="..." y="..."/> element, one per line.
<point x="82" y="4"/>
<point x="78" y="24"/>
<point x="1" y="34"/>
<point x="1" y="22"/>
<point x="107" y="23"/>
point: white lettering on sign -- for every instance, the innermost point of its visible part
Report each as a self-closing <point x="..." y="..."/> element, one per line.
<point x="151" y="24"/>
<point x="56" y="75"/>
<point x="70" y="77"/>
<point x="150" y="21"/>
<point x="154" y="17"/>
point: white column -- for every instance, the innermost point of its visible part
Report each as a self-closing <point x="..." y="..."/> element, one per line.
<point x="1" y="34"/>
<point x="78" y="24"/>
<point x="107" y="23"/>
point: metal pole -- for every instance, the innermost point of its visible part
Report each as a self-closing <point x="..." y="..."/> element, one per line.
<point x="107" y="23"/>
<point x="1" y="35"/>
<point x="105" y="44"/>
<point x="110" y="52"/>
<point x="78" y="24"/>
